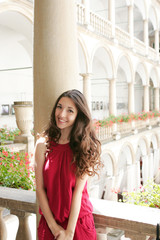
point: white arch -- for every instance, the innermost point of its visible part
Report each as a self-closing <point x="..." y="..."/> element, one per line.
<point x="24" y="8"/>
<point x="154" y="76"/>
<point x="107" y="51"/>
<point x="125" y="63"/>
<point x="85" y="53"/>
<point x="141" y="5"/>
<point x="141" y="69"/>
<point x="143" y="144"/>
<point x="152" y="15"/>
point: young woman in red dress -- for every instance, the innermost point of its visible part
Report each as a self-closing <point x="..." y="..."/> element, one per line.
<point x="65" y="155"/>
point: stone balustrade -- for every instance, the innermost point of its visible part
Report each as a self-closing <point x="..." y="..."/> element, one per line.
<point x="123" y="37"/>
<point x="137" y="222"/>
<point x="123" y="128"/>
<point x="20" y="203"/>
<point x="104" y="27"/>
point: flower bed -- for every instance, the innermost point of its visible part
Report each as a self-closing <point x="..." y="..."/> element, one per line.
<point x="8" y="134"/>
<point x="15" y="170"/>
<point x="127" y="118"/>
<point x="147" y="195"/>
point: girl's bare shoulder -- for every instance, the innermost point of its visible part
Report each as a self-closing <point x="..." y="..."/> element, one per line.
<point x="41" y="144"/>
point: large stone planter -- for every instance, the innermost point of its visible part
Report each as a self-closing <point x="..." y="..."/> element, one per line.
<point x="24" y="117"/>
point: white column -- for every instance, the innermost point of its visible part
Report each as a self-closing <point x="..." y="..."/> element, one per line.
<point x="87" y="87"/>
<point x="157" y="43"/>
<point x="86" y="13"/>
<point x="138" y="179"/>
<point x="112" y="97"/>
<point x="130" y="97"/>
<point x="111" y="15"/>
<point x="131" y="23"/>
<point x="55" y="55"/>
<point x="145" y="168"/>
<point x="156" y="99"/>
<point x="146" y="98"/>
<point x="156" y="161"/>
<point x="146" y="40"/>
<point x="150" y="166"/>
<point x="130" y="177"/>
<point x="109" y="186"/>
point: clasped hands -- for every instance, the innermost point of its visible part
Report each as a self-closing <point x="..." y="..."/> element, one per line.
<point x="64" y="235"/>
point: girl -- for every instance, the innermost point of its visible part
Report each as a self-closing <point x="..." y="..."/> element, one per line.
<point x="65" y="155"/>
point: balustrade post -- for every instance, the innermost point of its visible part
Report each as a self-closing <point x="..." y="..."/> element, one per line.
<point x="86" y="12"/>
<point x="3" y="230"/>
<point x="23" y="229"/>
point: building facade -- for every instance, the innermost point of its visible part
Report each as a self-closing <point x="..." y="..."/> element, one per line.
<point x="114" y="62"/>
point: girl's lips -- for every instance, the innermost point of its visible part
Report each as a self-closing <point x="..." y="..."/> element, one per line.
<point x="61" y="121"/>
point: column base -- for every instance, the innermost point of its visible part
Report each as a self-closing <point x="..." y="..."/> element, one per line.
<point x="116" y="135"/>
<point x="28" y="140"/>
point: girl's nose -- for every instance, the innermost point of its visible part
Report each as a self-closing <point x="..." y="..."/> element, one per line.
<point x="63" y="113"/>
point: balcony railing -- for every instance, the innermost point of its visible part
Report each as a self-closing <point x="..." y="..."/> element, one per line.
<point x="137" y="222"/>
<point x="123" y="128"/>
<point x="152" y="53"/>
<point x="123" y="37"/>
<point x="104" y="27"/>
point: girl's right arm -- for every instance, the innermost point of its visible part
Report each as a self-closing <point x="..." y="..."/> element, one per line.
<point x="40" y="150"/>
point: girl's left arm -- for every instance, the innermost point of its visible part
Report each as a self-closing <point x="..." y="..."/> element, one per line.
<point x="75" y="209"/>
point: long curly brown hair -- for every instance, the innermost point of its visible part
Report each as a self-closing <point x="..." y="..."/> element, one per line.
<point x="83" y="141"/>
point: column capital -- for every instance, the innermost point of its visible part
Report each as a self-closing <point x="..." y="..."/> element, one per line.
<point x="86" y="74"/>
<point x="112" y="79"/>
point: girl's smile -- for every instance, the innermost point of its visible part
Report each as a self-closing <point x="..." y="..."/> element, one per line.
<point x="65" y="114"/>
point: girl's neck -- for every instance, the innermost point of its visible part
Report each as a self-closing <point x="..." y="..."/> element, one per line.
<point x="65" y="138"/>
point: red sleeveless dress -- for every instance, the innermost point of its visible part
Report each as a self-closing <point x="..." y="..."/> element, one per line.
<point x="59" y="182"/>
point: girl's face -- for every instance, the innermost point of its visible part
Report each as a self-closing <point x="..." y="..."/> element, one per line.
<point x="66" y="113"/>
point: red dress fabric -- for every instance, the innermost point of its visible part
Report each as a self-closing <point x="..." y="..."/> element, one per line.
<point x="59" y="182"/>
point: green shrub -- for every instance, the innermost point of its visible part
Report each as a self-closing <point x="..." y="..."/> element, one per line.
<point x="147" y="195"/>
<point x="15" y="170"/>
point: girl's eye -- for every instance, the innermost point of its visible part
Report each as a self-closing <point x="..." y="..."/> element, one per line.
<point x="58" y="106"/>
<point x="71" y="111"/>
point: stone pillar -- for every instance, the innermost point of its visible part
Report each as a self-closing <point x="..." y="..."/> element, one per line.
<point x="23" y="228"/>
<point x="111" y="15"/>
<point x="86" y="13"/>
<point x="112" y="97"/>
<point x="130" y="97"/>
<point x="130" y="24"/>
<point x="87" y="88"/>
<point x="146" y="98"/>
<point x="55" y="55"/>
<point x="3" y="229"/>
<point x="156" y="99"/>
<point x="146" y="40"/>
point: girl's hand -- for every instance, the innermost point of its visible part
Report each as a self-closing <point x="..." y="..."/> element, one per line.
<point x="56" y="231"/>
<point x="65" y="235"/>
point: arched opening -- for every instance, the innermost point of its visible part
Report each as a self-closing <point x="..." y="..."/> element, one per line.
<point x="123" y="78"/>
<point x="15" y="62"/>
<point x="101" y="74"/>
